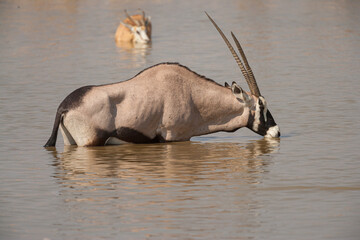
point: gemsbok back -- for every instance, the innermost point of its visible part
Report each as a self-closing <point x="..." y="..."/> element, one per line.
<point x="135" y="28"/>
<point x="163" y="103"/>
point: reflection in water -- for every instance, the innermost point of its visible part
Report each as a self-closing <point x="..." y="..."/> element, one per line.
<point x="134" y="53"/>
<point x="183" y="161"/>
<point x="135" y="48"/>
<point x="162" y="188"/>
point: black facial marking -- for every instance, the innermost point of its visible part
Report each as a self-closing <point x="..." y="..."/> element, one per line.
<point x="250" y="121"/>
<point x="263" y="126"/>
<point x="261" y="105"/>
<point x="130" y="135"/>
<point x="270" y="120"/>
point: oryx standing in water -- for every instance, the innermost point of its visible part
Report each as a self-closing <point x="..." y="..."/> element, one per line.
<point x="163" y="103"/>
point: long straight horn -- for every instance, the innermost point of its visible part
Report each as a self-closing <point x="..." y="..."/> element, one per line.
<point x="237" y="59"/>
<point x="253" y="85"/>
<point x="130" y="18"/>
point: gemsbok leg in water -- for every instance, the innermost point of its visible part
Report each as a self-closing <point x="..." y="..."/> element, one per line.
<point x="163" y="103"/>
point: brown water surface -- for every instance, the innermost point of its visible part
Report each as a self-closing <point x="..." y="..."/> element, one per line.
<point x="305" y="56"/>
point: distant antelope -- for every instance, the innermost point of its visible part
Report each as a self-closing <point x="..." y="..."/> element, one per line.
<point x="136" y="28"/>
<point x="166" y="102"/>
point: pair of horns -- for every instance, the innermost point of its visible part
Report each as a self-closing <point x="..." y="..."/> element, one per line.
<point x="136" y="23"/>
<point x="246" y="71"/>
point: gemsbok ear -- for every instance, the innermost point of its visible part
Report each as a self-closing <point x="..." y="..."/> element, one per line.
<point x="227" y="85"/>
<point x="240" y="93"/>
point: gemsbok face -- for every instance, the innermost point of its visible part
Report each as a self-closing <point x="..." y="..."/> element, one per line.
<point x="260" y="119"/>
<point x="135" y="28"/>
<point x="163" y="103"/>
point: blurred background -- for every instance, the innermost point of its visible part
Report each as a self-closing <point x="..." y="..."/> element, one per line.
<point x="305" y="56"/>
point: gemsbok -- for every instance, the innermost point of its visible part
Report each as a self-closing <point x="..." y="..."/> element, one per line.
<point x="136" y="28"/>
<point x="163" y="103"/>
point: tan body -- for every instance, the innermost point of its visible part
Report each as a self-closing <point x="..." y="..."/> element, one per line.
<point x="124" y="34"/>
<point x="167" y="101"/>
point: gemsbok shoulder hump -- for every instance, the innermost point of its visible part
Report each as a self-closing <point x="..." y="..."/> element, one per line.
<point x="163" y="103"/>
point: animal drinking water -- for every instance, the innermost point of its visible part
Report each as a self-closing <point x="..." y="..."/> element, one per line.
<point x="136" y="28"/>
<point x="163" y="103"/>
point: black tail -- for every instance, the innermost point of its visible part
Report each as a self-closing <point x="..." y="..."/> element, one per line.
<point x="52" y="140"/>
<point x="72" y="101"/>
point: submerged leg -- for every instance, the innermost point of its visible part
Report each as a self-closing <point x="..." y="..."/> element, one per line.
<point x="77" y="130"/>
<point x="131" y="135"/>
